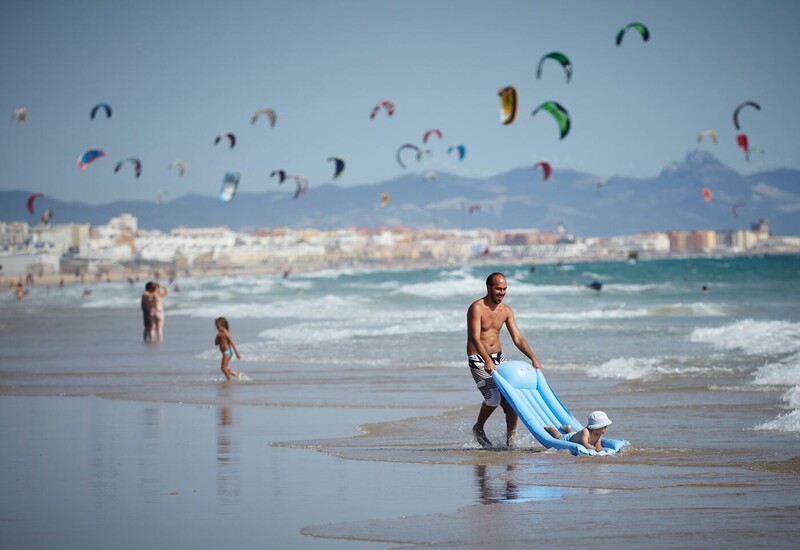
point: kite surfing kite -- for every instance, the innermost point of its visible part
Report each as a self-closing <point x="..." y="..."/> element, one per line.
<point x="229" y="186"/>
<point x="31" y="200"/>
<point x="89" y="157"/>
<point x="229" y="136"/>
<point x="269" y="113"/>
<point x="47" y="215"/>
<point x="638" y="26"/>
<point x="735" y="208"/>
<point x="460" y="149"/>
<point x="708" y="133"/>
<point x="384" y="200"/>
<point x="386" y="105"/>
<point x="741" y="106"/>
<point x="105" y="106"/>
<point x="20" y="115"/>
<point x="546" y="169"/>
<point x="560" y="58"/>
<point x="508" y="105"/>
<point x="403" y="147"/>
<point x="741" y="141"/>
<point x="280" y="174"/>
<point x="474" y="208"/>
<point x="706" y="194"/>
<point x="137" y="165"/>
<point x="431" y="132"/>
<point x="339" y="162"/>
<point x="559" y="113"/>
<point x="180" y="165"/>
<point x="302" y="186"/>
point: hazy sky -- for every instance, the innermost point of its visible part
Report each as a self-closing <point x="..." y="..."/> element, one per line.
<point x="178" y="73"/>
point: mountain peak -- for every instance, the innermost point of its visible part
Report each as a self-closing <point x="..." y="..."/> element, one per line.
<point x="698" y="164"/>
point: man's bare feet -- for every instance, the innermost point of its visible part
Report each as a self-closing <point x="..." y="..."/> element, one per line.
<point x="480" y="435"/>
<point x="510" y="439"/>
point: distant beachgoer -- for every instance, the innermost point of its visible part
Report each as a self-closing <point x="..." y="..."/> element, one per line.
<point x="157" y="312"/>
<point x="589" y="436"/>
<point x="594" y="285"/>
<point x="147" y="297"/>
<point x="704" y="290"/>
<point x="485" y="318"/>
<point x="225" y="342"/>
<point x="21" y="291"/>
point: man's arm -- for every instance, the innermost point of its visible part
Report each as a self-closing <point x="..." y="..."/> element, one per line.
<point x="474" y="336"/>
<point x="519" y="340"/>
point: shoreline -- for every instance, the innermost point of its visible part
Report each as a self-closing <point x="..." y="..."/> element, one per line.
<point x="139" y="277"/>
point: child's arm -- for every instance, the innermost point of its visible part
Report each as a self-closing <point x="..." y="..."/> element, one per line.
<point x="585" y="439"/>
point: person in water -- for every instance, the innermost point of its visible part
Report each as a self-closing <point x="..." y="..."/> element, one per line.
<point x="225" y="342"/>
<point x="157" y="311"/>
<point x="590" y="436"/>
<point x="485" y="318"/>
<point x="147" y="296"/>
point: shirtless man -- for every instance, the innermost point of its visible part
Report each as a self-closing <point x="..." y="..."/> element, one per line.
<point x="485" y="318"/>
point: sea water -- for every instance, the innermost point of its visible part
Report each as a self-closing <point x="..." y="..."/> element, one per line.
<point x="649" y="326"/>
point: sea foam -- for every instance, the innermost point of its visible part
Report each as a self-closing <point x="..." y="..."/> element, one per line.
<point x="752" y="337"/>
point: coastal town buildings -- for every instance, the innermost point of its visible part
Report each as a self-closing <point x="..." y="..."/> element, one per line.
<point x="120" y="247"/>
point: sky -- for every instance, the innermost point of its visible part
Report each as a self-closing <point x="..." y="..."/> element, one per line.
<point x="177" y="73"/>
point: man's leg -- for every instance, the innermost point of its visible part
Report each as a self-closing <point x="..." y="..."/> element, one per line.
<point x="511" y="422"/>
<point x="477" y="430"/>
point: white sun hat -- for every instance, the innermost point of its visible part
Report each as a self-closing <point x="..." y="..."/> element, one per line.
<point x="598" y="419"/>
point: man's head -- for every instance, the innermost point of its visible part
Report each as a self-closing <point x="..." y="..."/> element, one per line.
<point x="149" y="286"/>
<point x="496" y="286"/>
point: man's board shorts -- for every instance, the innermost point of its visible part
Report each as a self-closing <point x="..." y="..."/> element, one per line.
<point x="483" y="380"/>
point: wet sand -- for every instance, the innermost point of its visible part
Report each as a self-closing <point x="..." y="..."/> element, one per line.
<point x="84" y="472"/>
<point x="99" y="473"/>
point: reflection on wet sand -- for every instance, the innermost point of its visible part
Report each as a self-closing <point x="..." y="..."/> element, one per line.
<point x="503" y="487"/>
<point x="228" y="457"/>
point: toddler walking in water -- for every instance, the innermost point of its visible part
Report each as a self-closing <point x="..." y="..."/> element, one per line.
<point x="225" y="342"/>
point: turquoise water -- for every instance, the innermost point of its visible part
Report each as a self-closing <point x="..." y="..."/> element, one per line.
<point x="648" y="325"/>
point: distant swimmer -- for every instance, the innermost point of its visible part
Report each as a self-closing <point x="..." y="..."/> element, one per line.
<point x="225" y="342"/>
<point x="485" y="318"/>
<point x="157" y="312"/>
<point x="704" y="290"/>
<point x="21" y="291"/>
<point x="594" y="285"/>
<point x="532" y="269"/>
<point x="147" y="297"/>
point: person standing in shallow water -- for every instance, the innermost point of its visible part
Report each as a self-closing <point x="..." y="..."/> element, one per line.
<point x="485" y="318"/>
<point x="146" y="299"/>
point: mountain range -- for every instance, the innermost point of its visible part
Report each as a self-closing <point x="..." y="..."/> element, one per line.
<point x="586" y="204"/>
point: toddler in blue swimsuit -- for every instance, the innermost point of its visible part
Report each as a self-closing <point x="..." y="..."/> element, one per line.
<point x="225" y="342"/>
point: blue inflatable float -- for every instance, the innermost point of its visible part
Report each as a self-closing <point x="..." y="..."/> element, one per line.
<point x="528" y="392"/>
